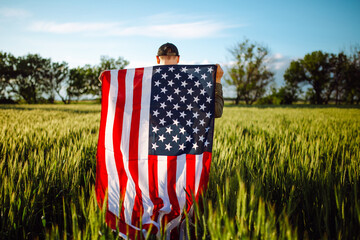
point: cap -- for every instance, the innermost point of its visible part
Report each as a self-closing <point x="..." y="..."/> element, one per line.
<point x="168" y="49"/>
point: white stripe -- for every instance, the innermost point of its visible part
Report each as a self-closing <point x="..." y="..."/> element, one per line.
<point x="113" y="178"/>
<point x="143" y="166"/>
<point x="163" y="186"/>
<point x="124" y="146"/>
<point x="181" y="180"/>
<point x="198" y="167"/>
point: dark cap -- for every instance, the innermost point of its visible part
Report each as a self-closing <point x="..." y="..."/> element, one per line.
<point x="168" y="49"/>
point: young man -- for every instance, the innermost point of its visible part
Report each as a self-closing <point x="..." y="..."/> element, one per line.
<point x="168" y="54"/>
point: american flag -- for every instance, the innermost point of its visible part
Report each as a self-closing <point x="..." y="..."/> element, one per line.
<point x="155" y="143"/>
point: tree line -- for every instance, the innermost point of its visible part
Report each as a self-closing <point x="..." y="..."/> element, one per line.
<point x="327" y="77"/>
<point x="35" y="79"/>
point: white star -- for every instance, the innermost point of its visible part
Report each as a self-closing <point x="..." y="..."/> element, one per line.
<point x="189" y="107"/>
<point x="208" y="99"/>
<point x="177" y="91"/>
<point x="196" y="99"/>
<point x="169" y="114"/>
<point x="197" y="83"/>
<point x="209" y="84"/>
<point x="176" y="106"/>
<point x="157" y="83"/>
<point x="202" y="91"/>
<point x="202" y="107"/>
<point x="197" y="70"/>
<point x="155" y="129"/>
<point x="183" y="99"/>
<point x="184" y="83"/>
<point x="176" y="122"/>
<point x="164" y="76"/>
<point x="202" y="122"/>
<point x="156" y="98"/>
<point x="154" y="146"/>
<point x="195" y="115"/>
<point x="207" y="129"/>
<point x="210" y="69"/>
<point x="208" y="114"/>
<point x="175" y="138"/>
<point x="170" y="83"/>
<point x="190" y="76"/>
<point x="162" y="138"/>
<point x="177" y="76"/>
<point x="169" y="130"/>
<point x="184" y="69"/>
<point x="162" y="121"/>
<point x="188" y="138"/>
<point x="170" y="98"/>
<point x="195" y="130"/>
<point x="206" y="143"/>
<point x="195" y="146"/>
<point x="181" y="146"/>
<point x="190" y="91"/>
<point x="182" y="130"/>
<point x="201" y="138"/>
<point x="164" y="90"/>
<point x="171" y="69"/>
<point x="156" y="113"/>
<point x="163" y="105"/>
<point x="203" y="76"/>
<point x="183" y="114"/>
<point x="168" y="147"/>
<point x="158" y="70"/>
<point x="188" y="123"/>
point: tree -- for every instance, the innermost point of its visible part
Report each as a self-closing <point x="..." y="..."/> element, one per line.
<point x="57" y="74"/>
<point x="249" y="73"/>
<point x="314" y="69"/>
<point x="7" y="72"/>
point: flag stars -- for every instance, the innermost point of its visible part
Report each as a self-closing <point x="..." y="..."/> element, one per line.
<point x="184" y="69"/>
<point x="190" y="76"/>
<point x="202" y="91"/>
<point x="176" y="106"/>
<point x="169" y="114"/>
<point x="188" y="138"/>
<point x="188" y="122"/>
<point x="155" y="113"/>
<point x="183" y="99"/>
<point x="170" y="98"/>
<point x="189" y="107"/>
<point x="184" y="83"/>
<point x="195" y="115"/>
<point x="195" y="130"/>
<point x="197" y="70"/>
<point x="164" y="90"/>
<point x="206" y="143"/>
<point x="162" y="138"/>
<point x="202" y="107"/>
<point x="177" y="91"/>
<point x="202" y="122"/>
<point x="182" y="130"/>
<point x="170" y="83"/>
<point x="209" y="84"/>
<point x="208" y="114"/>
<point x="157" y="83"/>
<point x="197" y="83"/>
<point x="201" y="138"/>
<point x="182" y="147"/>
<point x="207" y="129"/>
<point x="162" y="121"/>
<point x="190" y="91"/>
<point x="203" y="76"/>
<point x="210" y="69"/>
<point x="169" y="130"/>
<point x="177" y="76"/>
<point x="195" y="146"/>
<point x="208" y="99"/>
<point x="171" y="69"/>
<point x="154" y="146"/>
<point x="175" y="138"/>
<point x="164" y="76"/>
<point x="168" y="146"/>
<point x="196" y="99"/>
<point x="176" y="122"/>
<point x="158" y="70"/>
<point x="163" y="105"/>
<point x="183" y="114"/>
<point x="156" y="98"/>
<point x="155" y="129"/>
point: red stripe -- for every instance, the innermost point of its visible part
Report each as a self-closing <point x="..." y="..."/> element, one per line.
<point x="204" y="174"/>
<point x="101" y="173"/>
<point x="153" y="186"/>
<point x="134" y="145"/>
<point x="190" y="179"/>
<point x="171" y="182"/>
<point x="117" y="133"/>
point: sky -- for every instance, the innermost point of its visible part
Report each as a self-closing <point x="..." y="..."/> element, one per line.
<point x="79" y="32"/>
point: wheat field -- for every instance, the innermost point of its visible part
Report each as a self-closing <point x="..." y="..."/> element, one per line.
<point x="277" y="173"/>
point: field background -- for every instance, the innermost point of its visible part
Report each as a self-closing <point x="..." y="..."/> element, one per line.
<point x="277" y="173"/>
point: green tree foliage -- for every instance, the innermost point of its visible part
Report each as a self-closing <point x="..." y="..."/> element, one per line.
<point x="57" y="75"/>
<point x="249" y="74"/>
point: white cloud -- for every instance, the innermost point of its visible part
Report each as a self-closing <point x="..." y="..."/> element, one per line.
<point x="14" y="13"/>
<point x="197" y="29"/>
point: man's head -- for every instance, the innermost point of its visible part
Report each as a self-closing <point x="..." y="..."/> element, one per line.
<point x="168" y="54"/>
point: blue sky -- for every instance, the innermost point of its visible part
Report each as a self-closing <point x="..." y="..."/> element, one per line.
<point x="79" y="32"/>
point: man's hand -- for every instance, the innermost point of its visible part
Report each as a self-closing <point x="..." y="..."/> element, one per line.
<point x="219" y="73"/>
<point x="100" y="76"/>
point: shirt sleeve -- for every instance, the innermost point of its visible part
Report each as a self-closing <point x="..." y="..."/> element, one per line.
<point x="219" y="100"/>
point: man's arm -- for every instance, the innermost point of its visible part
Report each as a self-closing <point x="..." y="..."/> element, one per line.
<point x="219" y="100"/>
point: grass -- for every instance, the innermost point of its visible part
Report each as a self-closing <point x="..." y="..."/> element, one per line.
<point x="277" y="173"/>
